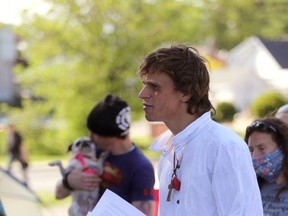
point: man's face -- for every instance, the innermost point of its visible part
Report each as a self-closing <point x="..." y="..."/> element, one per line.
<point x="101" y="142"/>
<point x="160" y="100"/>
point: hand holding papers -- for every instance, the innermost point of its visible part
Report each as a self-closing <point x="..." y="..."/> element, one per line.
<point x="111" y="204"/>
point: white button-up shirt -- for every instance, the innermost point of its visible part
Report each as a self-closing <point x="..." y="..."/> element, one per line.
<point x="216" y="172"/>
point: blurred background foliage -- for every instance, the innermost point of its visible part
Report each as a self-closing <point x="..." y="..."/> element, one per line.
<point x="225" y="112"/>
<point x="83" y="49"/>
<point x="267" y="104"/>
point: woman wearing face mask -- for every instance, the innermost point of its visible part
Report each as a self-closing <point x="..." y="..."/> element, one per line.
<point x="267" y="139"/>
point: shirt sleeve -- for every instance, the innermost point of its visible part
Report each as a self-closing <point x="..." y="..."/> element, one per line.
<point x="143" y="183"/>
<point x="231" y="175"/>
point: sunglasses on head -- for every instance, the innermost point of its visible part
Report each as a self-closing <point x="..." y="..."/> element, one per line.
<point x="261" y="126"/>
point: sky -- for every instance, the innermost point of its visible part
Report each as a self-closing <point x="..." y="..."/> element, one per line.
<point x="10" y="10"/>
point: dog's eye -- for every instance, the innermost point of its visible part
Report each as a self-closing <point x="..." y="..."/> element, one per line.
<point x="86" y="144"/>
<point x="77" y="144"/>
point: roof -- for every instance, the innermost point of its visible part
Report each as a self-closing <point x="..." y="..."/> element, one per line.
<point x="279" y="50"/>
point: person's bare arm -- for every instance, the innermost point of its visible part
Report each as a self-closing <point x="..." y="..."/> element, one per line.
<point x="61" y="191"/>
<point x="147" y="207"/>
<point x="78" y="180"/>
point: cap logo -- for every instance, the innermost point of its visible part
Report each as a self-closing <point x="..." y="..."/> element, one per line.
<point x="123" y="120"/>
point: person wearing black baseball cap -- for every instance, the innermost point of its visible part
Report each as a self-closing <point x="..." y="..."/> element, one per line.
<point x="127" y="172"/>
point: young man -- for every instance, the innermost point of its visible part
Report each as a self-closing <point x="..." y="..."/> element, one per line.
<point x="127" y="172"/>
<point x="205" y="168"/>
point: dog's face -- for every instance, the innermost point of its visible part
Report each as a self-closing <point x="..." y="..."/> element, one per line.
<point x="84" y="146"/>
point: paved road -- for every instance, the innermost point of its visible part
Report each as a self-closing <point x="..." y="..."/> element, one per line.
<point x="42" y="180"/>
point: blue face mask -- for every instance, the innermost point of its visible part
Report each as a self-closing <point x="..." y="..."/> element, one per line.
<point x="269" y="166"/>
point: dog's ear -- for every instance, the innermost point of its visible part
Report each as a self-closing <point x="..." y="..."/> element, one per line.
<point x="70" y="147"/>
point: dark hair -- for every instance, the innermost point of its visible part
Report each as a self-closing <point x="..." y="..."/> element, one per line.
<point x="110" y="117"/>
<point x="279" y="133"/>
<point x="187" y="69"/>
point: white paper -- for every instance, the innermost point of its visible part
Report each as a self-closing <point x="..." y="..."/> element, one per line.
<point x="111" y="204"/>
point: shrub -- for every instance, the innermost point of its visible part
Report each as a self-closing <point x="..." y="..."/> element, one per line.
<point x="225" y="112"/>
<point x="267" y="104"/>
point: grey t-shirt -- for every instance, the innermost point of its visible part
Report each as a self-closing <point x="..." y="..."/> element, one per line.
<point x="270" y="206"/>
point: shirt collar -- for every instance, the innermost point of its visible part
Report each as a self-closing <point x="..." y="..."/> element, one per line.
<point x="182" y="139"/>
<point x="165" y="141"/>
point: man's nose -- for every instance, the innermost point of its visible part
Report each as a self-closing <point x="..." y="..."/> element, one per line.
<point x="143" y="93"/>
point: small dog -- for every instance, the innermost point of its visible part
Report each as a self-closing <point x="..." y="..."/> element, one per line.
<point x="84" y="154"/>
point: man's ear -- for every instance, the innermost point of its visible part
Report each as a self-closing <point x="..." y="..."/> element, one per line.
<point x="185" y="97"/>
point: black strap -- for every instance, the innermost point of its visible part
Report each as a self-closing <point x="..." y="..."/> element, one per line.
<point x="65" y="182"/>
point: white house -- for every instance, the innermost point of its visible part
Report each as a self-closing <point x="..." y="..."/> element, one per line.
<point x="252" y="68"/>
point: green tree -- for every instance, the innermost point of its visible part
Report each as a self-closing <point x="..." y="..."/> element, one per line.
<point x="82" y="50"/>
<point x="229" y="22"/>
<point x="267" y="104"/>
